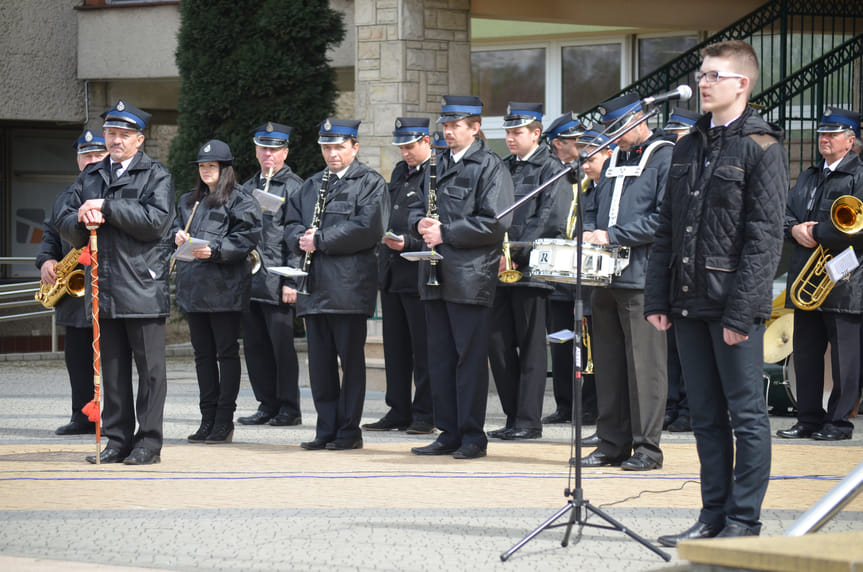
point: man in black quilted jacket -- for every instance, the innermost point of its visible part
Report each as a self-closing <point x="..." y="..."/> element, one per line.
<point x="709" y="276"/>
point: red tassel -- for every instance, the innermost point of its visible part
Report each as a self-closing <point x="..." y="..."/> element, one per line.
<point x="91" y="411"/>
<point x="84" y="257"/>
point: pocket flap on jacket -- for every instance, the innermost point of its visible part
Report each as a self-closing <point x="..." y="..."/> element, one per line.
<point x="456" y="192"/>
<point x="729" y="173"/>
<point x="721" y="263"/>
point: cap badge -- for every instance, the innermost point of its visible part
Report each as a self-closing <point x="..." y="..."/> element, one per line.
<point x="573" y="116"/>
<point x="327" y="125"/>
<point x="828" y="112"/>
<point x="120" y="105"/>
<point x="443" y="100"/>
<point x="509" y="110"/>
<point x="602" y="110"/>
<point x="398" y="123"/>
<point x="88" y="136"/>
<point x="269" y="127"/>
<point x="207" y="148"/>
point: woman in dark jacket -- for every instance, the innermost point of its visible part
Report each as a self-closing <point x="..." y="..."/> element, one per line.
<point x="213" y="287"/>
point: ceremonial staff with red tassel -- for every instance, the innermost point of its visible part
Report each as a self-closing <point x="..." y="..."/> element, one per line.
<point x="93" y="410"/>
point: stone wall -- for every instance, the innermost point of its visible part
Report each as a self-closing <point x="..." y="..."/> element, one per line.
<point x="409" y="54"/>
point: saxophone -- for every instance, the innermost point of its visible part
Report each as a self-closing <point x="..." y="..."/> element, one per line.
<point x="69" y="281"/>
<point x="432" y="213"/>
<point x="316" y="221"/>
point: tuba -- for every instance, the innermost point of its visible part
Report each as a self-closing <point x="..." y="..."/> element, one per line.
<point x="69" y="281"/>
<point x="813" y="284"/>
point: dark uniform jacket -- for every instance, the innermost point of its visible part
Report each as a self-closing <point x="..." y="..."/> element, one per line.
<point x="220" y="283"/>
<point x="69" y="310"/>
<point x="469" y="194"/>
<point x="847" y="179"/>
<point x="720" y="231"/>
<point x="135" y="242"/>
<point x="542" y="217"/>
<point x="343" y="275"/>
<point x="638" y="214"/>
<point x="406" y="191"/>
<point x="267" y="286"/>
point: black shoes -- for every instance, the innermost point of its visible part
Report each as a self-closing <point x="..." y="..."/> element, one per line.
<point x="591" y="440"/>
<point x="142" y="456"/>
<point x="831" y="432"/>
<point x="498" y="433"/>
<point x="640" y="462"/>
<point x="697" y="531"/>
<point x="257" y="418"/>
<point x="434" y="448"/>
<point x="557" y="417"/>
<point x="600" y="459"/>
<point x="733" y="530"/>
<point x="282" y="420"/>
<point x="680" y="425"/>
<point x="200" y="435"/>
<point x="420" y="428"/>
<point x="345" y="445"/>
<point x="314" y="445"/>
<point x="385" y="424"/>
<point x="222" y="433"/>
<point x="797" y="431"/>
<point x="469" y="451"/>
<point x="75" y="427"/>
<point x="108" y="455"/>
<point x="518" y="433"/>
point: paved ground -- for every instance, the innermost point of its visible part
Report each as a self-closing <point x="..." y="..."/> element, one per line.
<point x="262" y="503"/>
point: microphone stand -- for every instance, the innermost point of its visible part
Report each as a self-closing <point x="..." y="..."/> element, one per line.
<point x="578" y="507"/>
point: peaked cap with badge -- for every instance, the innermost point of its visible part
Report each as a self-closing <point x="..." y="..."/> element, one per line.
<point x="409" y="130"/>
<point x="334" y="131"/>
<point x="124" y="115"/>
<point x="89" y="142"/>
<point x="272" y="135"/>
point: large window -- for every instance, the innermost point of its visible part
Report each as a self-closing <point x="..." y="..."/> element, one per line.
<point x="501" y="76"/>
<point x="590" y="74"/>
<point x="656" y="52"/>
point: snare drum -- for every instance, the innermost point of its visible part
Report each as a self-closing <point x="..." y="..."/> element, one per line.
<point x="554" y="260"/>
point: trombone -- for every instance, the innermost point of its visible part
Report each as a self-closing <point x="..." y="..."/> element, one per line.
<point x="813" y="284"/>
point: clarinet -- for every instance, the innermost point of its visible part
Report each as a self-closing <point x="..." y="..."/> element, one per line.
<point x="316" y="221"/>
<point x="432" y="213"/>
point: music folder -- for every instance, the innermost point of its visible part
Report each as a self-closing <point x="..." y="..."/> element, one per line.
<point x="422" y="255"/>
<point x="269" y="201"/>
<point x="288" y="271"/>
<point x="184" y="251"/>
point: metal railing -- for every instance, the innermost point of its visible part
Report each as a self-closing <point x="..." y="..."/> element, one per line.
<point x="789" y="36"/>
<point x="20" y="295"/>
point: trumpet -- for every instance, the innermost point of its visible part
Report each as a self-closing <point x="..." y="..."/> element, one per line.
<point x="510" y="274"/>
<point x="69" y="281"/>
<point x="572" y="217"/>
<point x="813" y="284"/>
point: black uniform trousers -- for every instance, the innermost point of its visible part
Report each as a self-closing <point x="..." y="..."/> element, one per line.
<point x="217" y="362"/>
<point x="121" y="339"/>
<point x="334" y="337"/>
<point x="517" y="353"/>
<point x="458" y="364"/>
<point x="677" y="404"/>
<point x="406" y="357"/>
<point x="727" y="409"/>
<point x="78" y="353"/>
<point x="560" y="316"/>
<point x="631" y="360"/>
<point x="271" y="358"/>
<point x="812" y="331"/>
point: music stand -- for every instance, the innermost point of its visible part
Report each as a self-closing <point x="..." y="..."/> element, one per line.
<point x="575" y="493"/>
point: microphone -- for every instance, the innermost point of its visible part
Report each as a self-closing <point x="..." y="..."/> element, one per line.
<point x="681" y="92"/>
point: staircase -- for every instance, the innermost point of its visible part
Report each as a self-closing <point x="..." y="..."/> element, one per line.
<point x="811" y="56"/>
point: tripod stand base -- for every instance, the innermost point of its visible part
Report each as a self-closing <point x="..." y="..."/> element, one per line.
<point x="576" y="518"/>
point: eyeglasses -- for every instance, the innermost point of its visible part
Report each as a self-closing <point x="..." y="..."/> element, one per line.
<point x="715" y="76"/>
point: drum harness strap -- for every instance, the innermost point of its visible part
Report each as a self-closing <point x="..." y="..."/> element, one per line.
<point x="620" y="173"/>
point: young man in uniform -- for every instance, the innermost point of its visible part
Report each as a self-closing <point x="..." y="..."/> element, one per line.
<point x="473" y="186"/>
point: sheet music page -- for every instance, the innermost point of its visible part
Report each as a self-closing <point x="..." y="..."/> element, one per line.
<point x="842" y="264"/>
<point x="184" y="252"/>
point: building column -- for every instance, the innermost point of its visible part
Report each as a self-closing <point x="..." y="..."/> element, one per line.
<point x="409" y="54"/>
